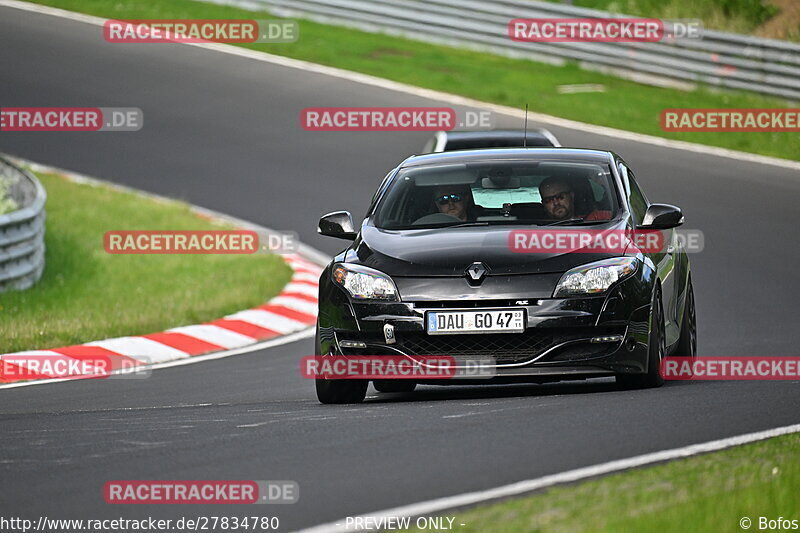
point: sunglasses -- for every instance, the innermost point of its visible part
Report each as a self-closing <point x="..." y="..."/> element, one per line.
<point x="560" y="197"/>
<point x="445" y="198"/>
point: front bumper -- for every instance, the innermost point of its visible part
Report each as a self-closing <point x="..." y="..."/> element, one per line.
<point x="559" y="342"/>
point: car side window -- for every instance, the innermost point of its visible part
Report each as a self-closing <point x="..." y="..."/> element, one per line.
<point x="637" y="198"/>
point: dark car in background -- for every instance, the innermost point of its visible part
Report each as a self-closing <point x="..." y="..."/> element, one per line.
<point x="449" y="141"/>
<point x="434" y="249"/>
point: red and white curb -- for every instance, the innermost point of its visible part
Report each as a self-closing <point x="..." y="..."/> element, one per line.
<point x="294" y="309"/>
<point x="288" y="315"/>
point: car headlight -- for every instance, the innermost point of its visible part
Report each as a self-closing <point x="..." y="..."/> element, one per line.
<point x="595" y="278"/>
<point x="363" y="283"/>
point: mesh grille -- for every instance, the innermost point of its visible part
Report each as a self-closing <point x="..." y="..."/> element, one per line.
<point x="506" y="348"/>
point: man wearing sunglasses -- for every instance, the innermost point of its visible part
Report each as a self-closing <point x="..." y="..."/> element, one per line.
<point x="453" y="201"/>
<point x="558" y="200"/>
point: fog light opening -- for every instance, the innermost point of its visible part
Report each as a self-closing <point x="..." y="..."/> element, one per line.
<point x="630" y="344"/>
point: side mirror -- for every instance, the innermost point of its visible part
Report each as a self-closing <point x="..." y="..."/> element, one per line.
<point x="662" y="216"/>
<point x="338" y="224"/>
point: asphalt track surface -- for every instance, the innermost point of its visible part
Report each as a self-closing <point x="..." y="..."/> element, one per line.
<point x="223" y="132"/>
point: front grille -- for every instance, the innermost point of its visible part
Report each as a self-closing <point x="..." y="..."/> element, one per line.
<point x="509" y="348"/>
<point x="505" y="347"/>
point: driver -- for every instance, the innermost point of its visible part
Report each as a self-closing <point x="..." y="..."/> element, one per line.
<point x="558" y="199"/>
<point x="453" y="200"/>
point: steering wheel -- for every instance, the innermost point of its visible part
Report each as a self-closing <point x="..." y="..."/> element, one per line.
<point x="436" y="218"/>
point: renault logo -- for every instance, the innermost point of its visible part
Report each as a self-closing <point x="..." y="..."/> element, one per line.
<point x="475" y="272"/>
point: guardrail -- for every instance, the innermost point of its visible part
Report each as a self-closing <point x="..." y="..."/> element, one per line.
<point x="765" y="66"/>
<point x="22" y="230"/>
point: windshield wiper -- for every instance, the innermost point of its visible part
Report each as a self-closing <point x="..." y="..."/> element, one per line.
<point x="565" y="221"/>
<point x="575" y="221"/>
<point x="461" y="225"/>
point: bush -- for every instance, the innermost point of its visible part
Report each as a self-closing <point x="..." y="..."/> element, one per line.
<point x="7" y="204"/>
<point x="757" y="11"/>
<point x="738" y="16"/>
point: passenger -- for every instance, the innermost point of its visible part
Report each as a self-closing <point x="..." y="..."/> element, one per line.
<point x="558" y="200"/>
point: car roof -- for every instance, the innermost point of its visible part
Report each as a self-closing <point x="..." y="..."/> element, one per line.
<point x="582" y="155"/>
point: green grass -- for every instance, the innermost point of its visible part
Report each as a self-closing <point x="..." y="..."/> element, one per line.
<point x="709" y="492"/>
<point x="738" y="16"/>
<point x="87" y="294"/>
<point x="625" y="104"/>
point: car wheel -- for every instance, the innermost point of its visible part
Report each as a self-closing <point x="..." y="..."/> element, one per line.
<point x="339" y="390"/>
<point x="687" y="343"/>
<point x="656" y="350"/>
<point x="394" y="385"/>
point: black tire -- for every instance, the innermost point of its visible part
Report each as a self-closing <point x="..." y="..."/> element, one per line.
<point x="656" y="349"/>
<point x="687" y="343"/>
<point x="394" y="385"/>
<point x="337" y="391"/>
<point x="341" y="390"/>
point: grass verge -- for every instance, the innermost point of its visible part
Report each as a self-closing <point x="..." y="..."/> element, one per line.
<point x="624" y="104"/>
<point x="86" y="294"/>
<point x="738" y="16"/>
<point x="711" y="492"/>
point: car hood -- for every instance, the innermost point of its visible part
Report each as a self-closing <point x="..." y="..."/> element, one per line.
<point x="449" y="251"/>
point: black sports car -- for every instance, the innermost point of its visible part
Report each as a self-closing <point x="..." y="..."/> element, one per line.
<point x="435" y="270"/>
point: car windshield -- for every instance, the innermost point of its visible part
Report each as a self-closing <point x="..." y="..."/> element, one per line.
<point x="497" y="193"/>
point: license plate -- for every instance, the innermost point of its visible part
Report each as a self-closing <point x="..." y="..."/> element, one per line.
<point x="479" y="321"/>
